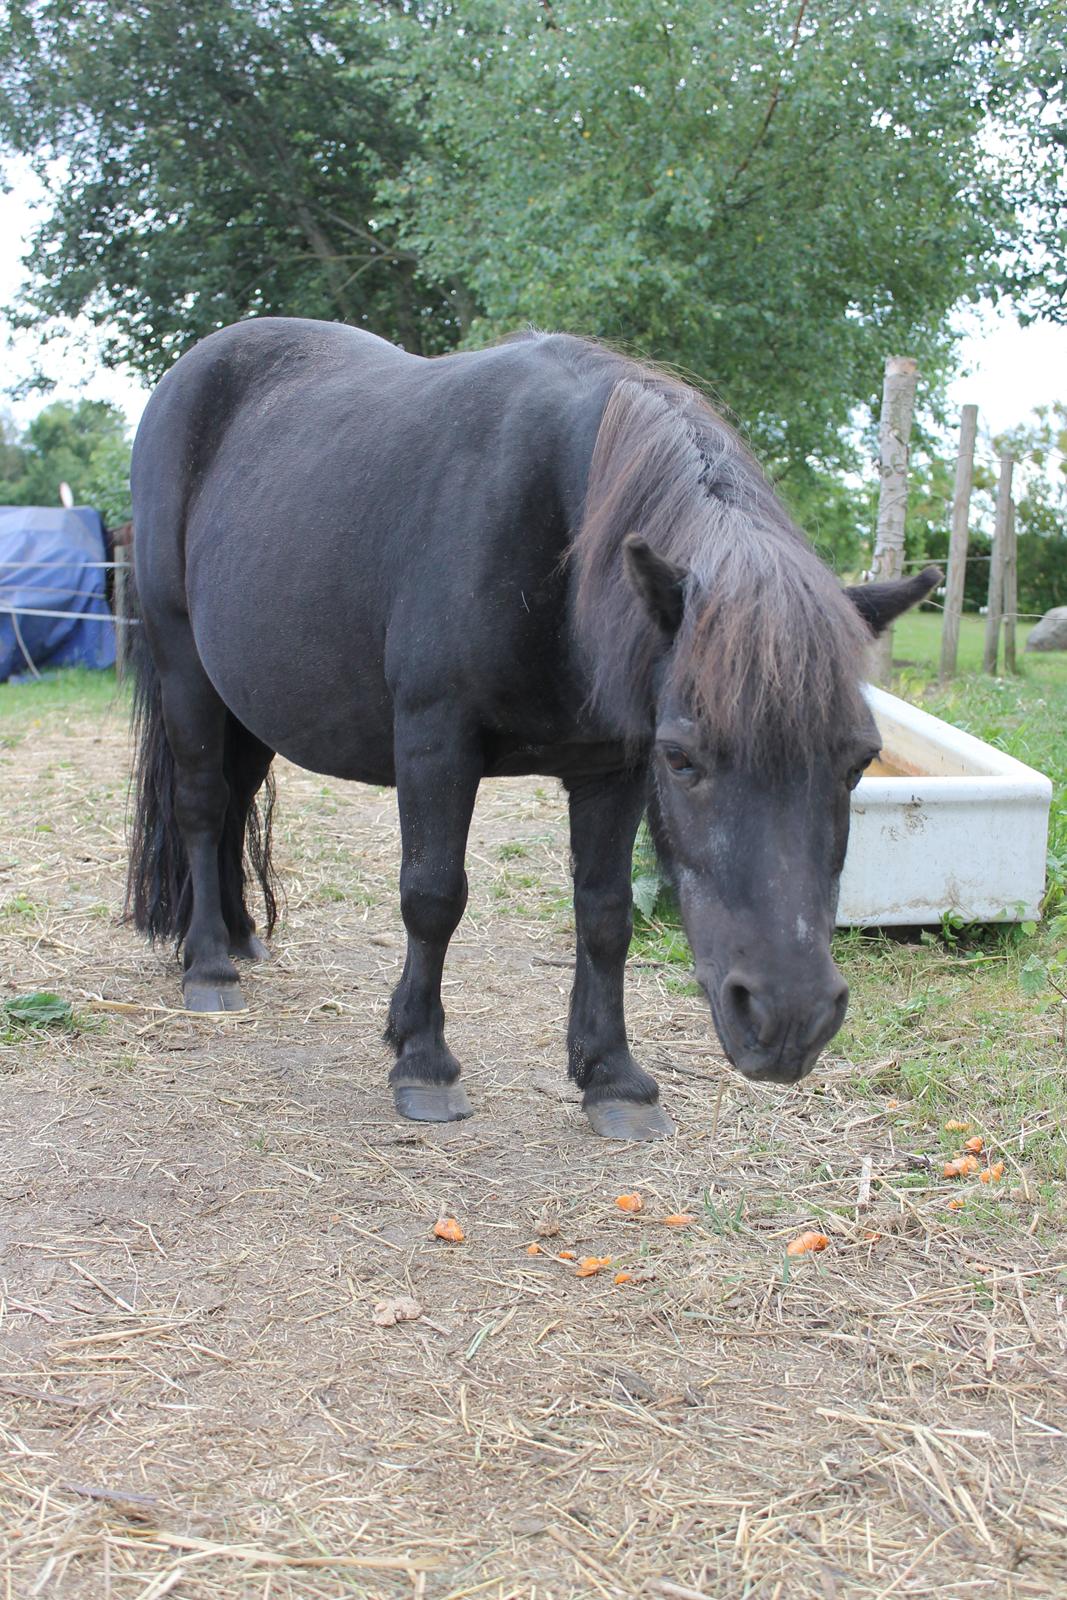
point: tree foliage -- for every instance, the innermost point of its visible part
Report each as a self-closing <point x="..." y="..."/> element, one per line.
<point x="775" y="197"/>
<point x="216" y="158"/>
<point x="772" y="194"/>
<point x="1031" y="68"/>
<point x="85" y="445"/>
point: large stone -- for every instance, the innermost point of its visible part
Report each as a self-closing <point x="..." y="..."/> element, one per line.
<point x="1051" y="631"/>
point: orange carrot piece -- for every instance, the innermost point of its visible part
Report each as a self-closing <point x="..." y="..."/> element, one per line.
<point x="448" y="1228"/>
<point x="629" y="1202"/>
<point x="589" y="1266"/>
<point x="805" y="1242"/>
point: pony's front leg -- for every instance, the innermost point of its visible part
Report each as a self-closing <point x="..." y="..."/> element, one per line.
<point x="620" y="1100"/>
<point x="437" y="777"/>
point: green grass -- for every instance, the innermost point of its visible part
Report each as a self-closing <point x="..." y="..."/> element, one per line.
<point x="72" y="690"/>
<point x="917" y="642"/>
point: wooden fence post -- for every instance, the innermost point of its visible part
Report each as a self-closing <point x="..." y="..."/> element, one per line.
<point x="957" y="548"/>
<point x="1011" y="591"/>
<point x="898" y="404"/>
<point x="995" y="610"/>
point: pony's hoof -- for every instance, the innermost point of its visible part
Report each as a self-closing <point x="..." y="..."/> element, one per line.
<point x="250" y="949"/>
<point x="214" y="997"/>
<point x="629" y="1119"/>
<point x="432" y="1102"/>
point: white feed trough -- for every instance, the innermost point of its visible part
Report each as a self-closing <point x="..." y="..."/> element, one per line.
<point x="942" y="822"/>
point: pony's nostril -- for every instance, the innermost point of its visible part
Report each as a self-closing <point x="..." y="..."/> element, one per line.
<point x="838" y="1005"/>
<point x="828" y="1016"/>
<point x="748" y="1012"/>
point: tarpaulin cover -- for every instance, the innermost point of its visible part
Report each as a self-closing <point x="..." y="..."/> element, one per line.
<point x="49" y="561"/>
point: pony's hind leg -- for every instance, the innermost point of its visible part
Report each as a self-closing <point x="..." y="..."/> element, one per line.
<point x="195" y="720"/>
<point x="619" y="1098"/>
<point x="437" y="780"/>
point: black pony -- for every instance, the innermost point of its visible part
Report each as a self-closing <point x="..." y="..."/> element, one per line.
<point x="539" y="558"/>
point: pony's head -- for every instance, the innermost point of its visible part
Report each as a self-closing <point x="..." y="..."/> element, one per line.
<point x="719" y="641"/>
<point x="754" y="760"/>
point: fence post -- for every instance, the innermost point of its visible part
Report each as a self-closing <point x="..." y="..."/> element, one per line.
<point x="995" y="609"/>
<point x="121" y="629"/>
<point x="957" y="548"/>
<point x="898" y="404"/>
<point x="1011" y="591"/>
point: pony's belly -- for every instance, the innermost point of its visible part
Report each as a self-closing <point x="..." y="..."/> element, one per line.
<point x="318" y="707"/>
<point x="360" y="764"/>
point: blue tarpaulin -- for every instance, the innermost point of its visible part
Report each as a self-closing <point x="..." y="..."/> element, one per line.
<point x="51" y="561"/>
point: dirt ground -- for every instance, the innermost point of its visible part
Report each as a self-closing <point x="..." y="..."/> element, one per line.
<point x="198" y="1218"/>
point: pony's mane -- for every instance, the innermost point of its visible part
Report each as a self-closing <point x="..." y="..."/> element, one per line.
<point x="770" y="652"/>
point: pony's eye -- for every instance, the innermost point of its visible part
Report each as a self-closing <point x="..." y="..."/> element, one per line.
<point x="856" y="774"/>
<point x="677" y="760"/>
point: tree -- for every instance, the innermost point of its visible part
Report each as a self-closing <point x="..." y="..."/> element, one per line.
<point x="1029" y="69"/>
<point x="773" y="196"/>
<point x="217" y="158"/>
<point x="85" y="445"/>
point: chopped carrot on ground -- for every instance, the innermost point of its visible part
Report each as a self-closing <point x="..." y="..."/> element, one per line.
<point x="805" y="1242"/>
<point x="962" y="1167"/>
<point x="566" y="1255"/>
<point x="533" y="1250"/>
<point x="629" y="1202"/>
<point x="679" y="1219"/>
<point x="957" y="1127"/>
<point x="448" y="1228"/>
<point x="994" y="1173"/>
<point x="955" y="1205"/>
<point x="975" y="1145"/>
<point x="589" y="1266"/>
<point x="624" y="1277"/>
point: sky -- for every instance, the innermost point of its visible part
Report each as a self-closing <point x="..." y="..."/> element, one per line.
<point x="1006" y="369"/>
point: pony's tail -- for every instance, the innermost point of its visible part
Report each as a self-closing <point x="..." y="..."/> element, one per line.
<point x="158" y="894"/>
<point x="159" y="898"/>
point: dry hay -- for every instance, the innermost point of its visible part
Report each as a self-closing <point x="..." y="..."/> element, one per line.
<point x="198" y="1219"/>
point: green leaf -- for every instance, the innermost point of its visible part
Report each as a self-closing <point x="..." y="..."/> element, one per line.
<point x="1033" y="976"/>
<point x="40" y="1010"/>
<point x="646" y="891"/>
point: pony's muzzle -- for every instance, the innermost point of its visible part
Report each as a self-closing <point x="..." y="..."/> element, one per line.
<point x="773" y="1034"/>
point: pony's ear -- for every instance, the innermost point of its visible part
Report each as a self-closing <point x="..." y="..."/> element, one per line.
<point x="659" y="582"/>
<point x="879" y="604"/>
